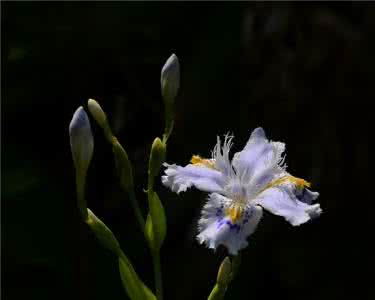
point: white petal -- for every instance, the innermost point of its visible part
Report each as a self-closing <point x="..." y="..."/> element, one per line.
<point x="306" y="196"/>
<point x="179" y="179"/>
<point x="216" y="228"/>
<point x="281" y="201"/>
<point x="259" y="155"/>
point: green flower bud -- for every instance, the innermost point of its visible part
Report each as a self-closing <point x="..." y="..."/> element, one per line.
<point x="157" y="158"/>
<point x="82" y="146"/>
<point x="149" y="231"/>
<point x="225" y="273"/>
<point x="217" y="293"/>
<point x="103" y="233"/>
<point x="156" y="223"/>
<point x="100" y="117"/>
<point x="123" y="165"/>
<point x="170" y="79"/>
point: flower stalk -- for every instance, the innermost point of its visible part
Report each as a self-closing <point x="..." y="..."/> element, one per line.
<point x="123" y="165"/>
<point x="156" y="222"/>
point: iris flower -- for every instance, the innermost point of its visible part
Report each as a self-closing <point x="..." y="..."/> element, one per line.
<point x="239" y="190"/>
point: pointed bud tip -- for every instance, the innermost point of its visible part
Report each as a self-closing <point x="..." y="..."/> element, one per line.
<point x="172" y="64"/>
<point x="158" y="144"/>
<point x="79" y="119"/>
<point x="170" y="78"/>
<point x="157" y="156"/>
<point x="97" y="112"/>
<point x="102" y="232"/>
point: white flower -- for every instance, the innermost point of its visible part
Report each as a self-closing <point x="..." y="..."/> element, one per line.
<point x="256" y="178"/>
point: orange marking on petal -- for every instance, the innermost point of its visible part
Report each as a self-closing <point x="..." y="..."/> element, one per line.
<point x="197" y="160"/>
<point x="299" y="182"/>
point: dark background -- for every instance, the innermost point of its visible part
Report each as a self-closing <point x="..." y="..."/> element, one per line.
<point x="304" y="72"/>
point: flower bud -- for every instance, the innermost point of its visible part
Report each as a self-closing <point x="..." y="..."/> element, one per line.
<point x="123" y="165"/>
<point x="100" y="117"/>
<point x="103" y="233"/>
<point x="157" y="157"/>
<point x="170" y="79"/>
<point x="156" y="223"/>
<point x="81" y="140"/>
<point x="82" y="146"/>
<point x="225" y="273"/>
<point x="217" y="293"/>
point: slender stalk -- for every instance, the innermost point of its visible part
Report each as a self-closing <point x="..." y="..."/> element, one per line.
<point x="156" y="255"/>
<point x="157" y="275"/>
<point x="80" y="189"/>
<point x="137" y="209"/>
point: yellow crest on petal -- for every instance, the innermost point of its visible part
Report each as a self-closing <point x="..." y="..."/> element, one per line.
<point x="234" y="212"/>
<point x="299" y="182"/>
<point x="197" y="160"/>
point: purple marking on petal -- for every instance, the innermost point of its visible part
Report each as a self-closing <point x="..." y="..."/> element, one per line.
<point x="247" y="216"/>
<point x="234" y="226"/>
<point x="220" y="223"/>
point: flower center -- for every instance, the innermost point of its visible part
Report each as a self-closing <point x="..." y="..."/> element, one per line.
<point x="235" y="212"/>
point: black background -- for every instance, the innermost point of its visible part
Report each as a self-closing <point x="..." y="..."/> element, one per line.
<point x="302" y="71"/>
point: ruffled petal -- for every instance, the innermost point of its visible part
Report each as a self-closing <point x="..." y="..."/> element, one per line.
<point x="217" y="228"/>
<point x="282" y="201"/>
<point x="259" y="156"/>
<point x="306" y="196"/>
<point x="179" y="179"/>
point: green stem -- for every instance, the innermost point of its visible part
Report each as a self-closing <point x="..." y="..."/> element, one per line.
<point x="137" y="209"/>
<point x="156" y="254"/>
<point x="80" y="188"/>
<point x="169" y="122"/>
<point x="157" y="275"/>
